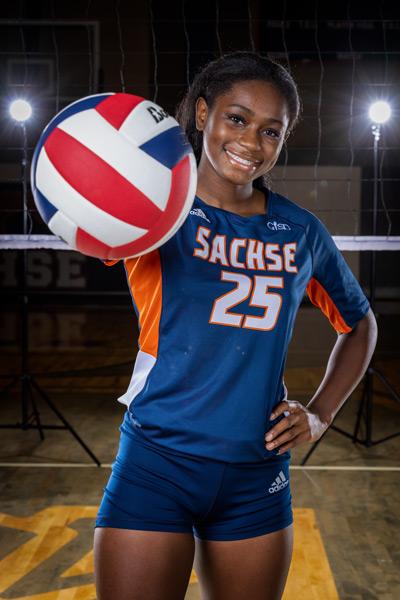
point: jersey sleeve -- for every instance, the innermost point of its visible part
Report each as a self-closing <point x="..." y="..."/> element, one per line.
<point x="333" y="287"/>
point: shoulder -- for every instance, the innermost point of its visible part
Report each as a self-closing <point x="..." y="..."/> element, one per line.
<point x="293" y="212"/>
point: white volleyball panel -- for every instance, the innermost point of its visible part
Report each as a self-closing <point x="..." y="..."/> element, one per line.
<point x="94" y="220"/>
<point x="145" y="122"/>
<point x="62" y="226"/>
<point x="122" y="154"/>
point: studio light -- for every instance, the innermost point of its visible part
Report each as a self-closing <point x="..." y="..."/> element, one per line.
<point x="379" y="112"/>
<point x="20" y="110"/>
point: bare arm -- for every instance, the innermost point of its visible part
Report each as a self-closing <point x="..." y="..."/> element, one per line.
<point x="346" y="366"/>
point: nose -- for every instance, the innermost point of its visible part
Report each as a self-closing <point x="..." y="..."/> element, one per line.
<point x="250" y="140"/>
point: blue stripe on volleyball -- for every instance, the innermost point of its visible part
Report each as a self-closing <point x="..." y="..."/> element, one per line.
<point x="45" y="208"/>
<point x="169" y="147"/>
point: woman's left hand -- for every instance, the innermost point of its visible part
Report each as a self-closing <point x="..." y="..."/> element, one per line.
<point x="299" y="425"/>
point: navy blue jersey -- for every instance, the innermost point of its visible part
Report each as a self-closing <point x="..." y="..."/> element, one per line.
<point x="216" y="306"/>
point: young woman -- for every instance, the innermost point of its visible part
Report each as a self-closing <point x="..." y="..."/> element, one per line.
<point x="202" y="471"/>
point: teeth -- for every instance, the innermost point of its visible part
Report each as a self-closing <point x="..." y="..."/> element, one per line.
<point x="243" y="161"/>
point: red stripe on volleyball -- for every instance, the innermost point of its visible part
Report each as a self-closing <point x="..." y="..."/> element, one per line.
<point x="117" y="107"/>
<point x="98" y="182"/>
<point x="176" y="201"/>
<point x="87" y="244"/>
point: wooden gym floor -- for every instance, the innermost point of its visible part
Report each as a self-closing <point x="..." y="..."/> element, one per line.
<point x="345" y="502"/>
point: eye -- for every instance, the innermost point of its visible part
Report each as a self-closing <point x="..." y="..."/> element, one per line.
<point x="237" y="119"/>
<point x="272" y="133"/>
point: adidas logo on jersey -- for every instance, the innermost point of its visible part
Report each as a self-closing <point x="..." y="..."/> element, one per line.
<point x="199" y="213"/>
<point x="279" y="483"/>
<point x="274" y="226"/>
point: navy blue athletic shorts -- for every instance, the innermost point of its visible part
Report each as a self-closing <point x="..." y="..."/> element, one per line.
<point x="157" y="489"/>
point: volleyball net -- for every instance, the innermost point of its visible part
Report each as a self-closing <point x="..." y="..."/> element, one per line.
<point x="153" y="49"/>
<point x="351" y="243"/>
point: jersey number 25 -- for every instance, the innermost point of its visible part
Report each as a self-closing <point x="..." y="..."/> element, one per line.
<point x="258" y="288"/>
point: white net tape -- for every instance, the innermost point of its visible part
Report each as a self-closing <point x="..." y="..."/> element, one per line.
<point x="343" y="242"/>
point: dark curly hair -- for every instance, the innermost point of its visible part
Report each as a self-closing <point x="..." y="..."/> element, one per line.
<point x="218" y="77"/>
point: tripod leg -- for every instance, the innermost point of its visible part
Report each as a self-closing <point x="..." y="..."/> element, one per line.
<point x="311" y="450"/>
<point x="386" y="383"/>
<point x="25" y="397"/>
<point x="36" y="414"/>
<point x="64" y="420"/>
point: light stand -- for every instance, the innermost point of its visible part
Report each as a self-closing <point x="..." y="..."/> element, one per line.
<point x="28" y="383"/>
<point x="379" y="113"/>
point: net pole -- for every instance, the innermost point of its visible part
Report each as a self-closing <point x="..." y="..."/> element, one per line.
<point x="24" y="295"/>
<point x="372" y="279"/>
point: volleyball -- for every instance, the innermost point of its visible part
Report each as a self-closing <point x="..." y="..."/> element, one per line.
<point x="113" y="175"/>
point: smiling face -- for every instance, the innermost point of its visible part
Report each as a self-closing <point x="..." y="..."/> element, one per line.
<point x="243" y="132"/>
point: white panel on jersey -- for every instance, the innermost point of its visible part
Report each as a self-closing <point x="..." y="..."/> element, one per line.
<point x="186" y="207"/>
<point x="143" y="365"/>
<point x="140" y="125"/>
<point x="64" y="228"/>
<point x="151" y="177"/>
<point x="87" y="216"/>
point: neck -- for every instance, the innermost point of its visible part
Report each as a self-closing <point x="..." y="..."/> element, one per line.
<point x="219" y="192"/>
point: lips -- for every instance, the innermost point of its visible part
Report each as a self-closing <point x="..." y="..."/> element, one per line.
<point x="246" y="162"/>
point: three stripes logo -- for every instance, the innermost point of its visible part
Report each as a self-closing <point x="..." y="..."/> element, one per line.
<point x="280" y="482"/>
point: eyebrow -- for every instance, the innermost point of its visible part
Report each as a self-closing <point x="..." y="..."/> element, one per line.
<point x="248" y="110"/>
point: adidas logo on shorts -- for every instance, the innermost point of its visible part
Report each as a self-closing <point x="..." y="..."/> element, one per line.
<point x="199" y="213"/>
<point x="279" y="483"/>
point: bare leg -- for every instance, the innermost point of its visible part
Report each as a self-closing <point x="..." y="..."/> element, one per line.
<point x="254" y="568"/>
<point x="142" y="565"/>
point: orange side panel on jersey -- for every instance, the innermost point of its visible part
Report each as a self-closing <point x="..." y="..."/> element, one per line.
<point x="320" y="297"/>
<point x="110" y="263"/>
<point x="144" y="277"/>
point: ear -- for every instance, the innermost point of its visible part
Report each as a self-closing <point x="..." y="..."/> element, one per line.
<point x="201" y="113"/>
